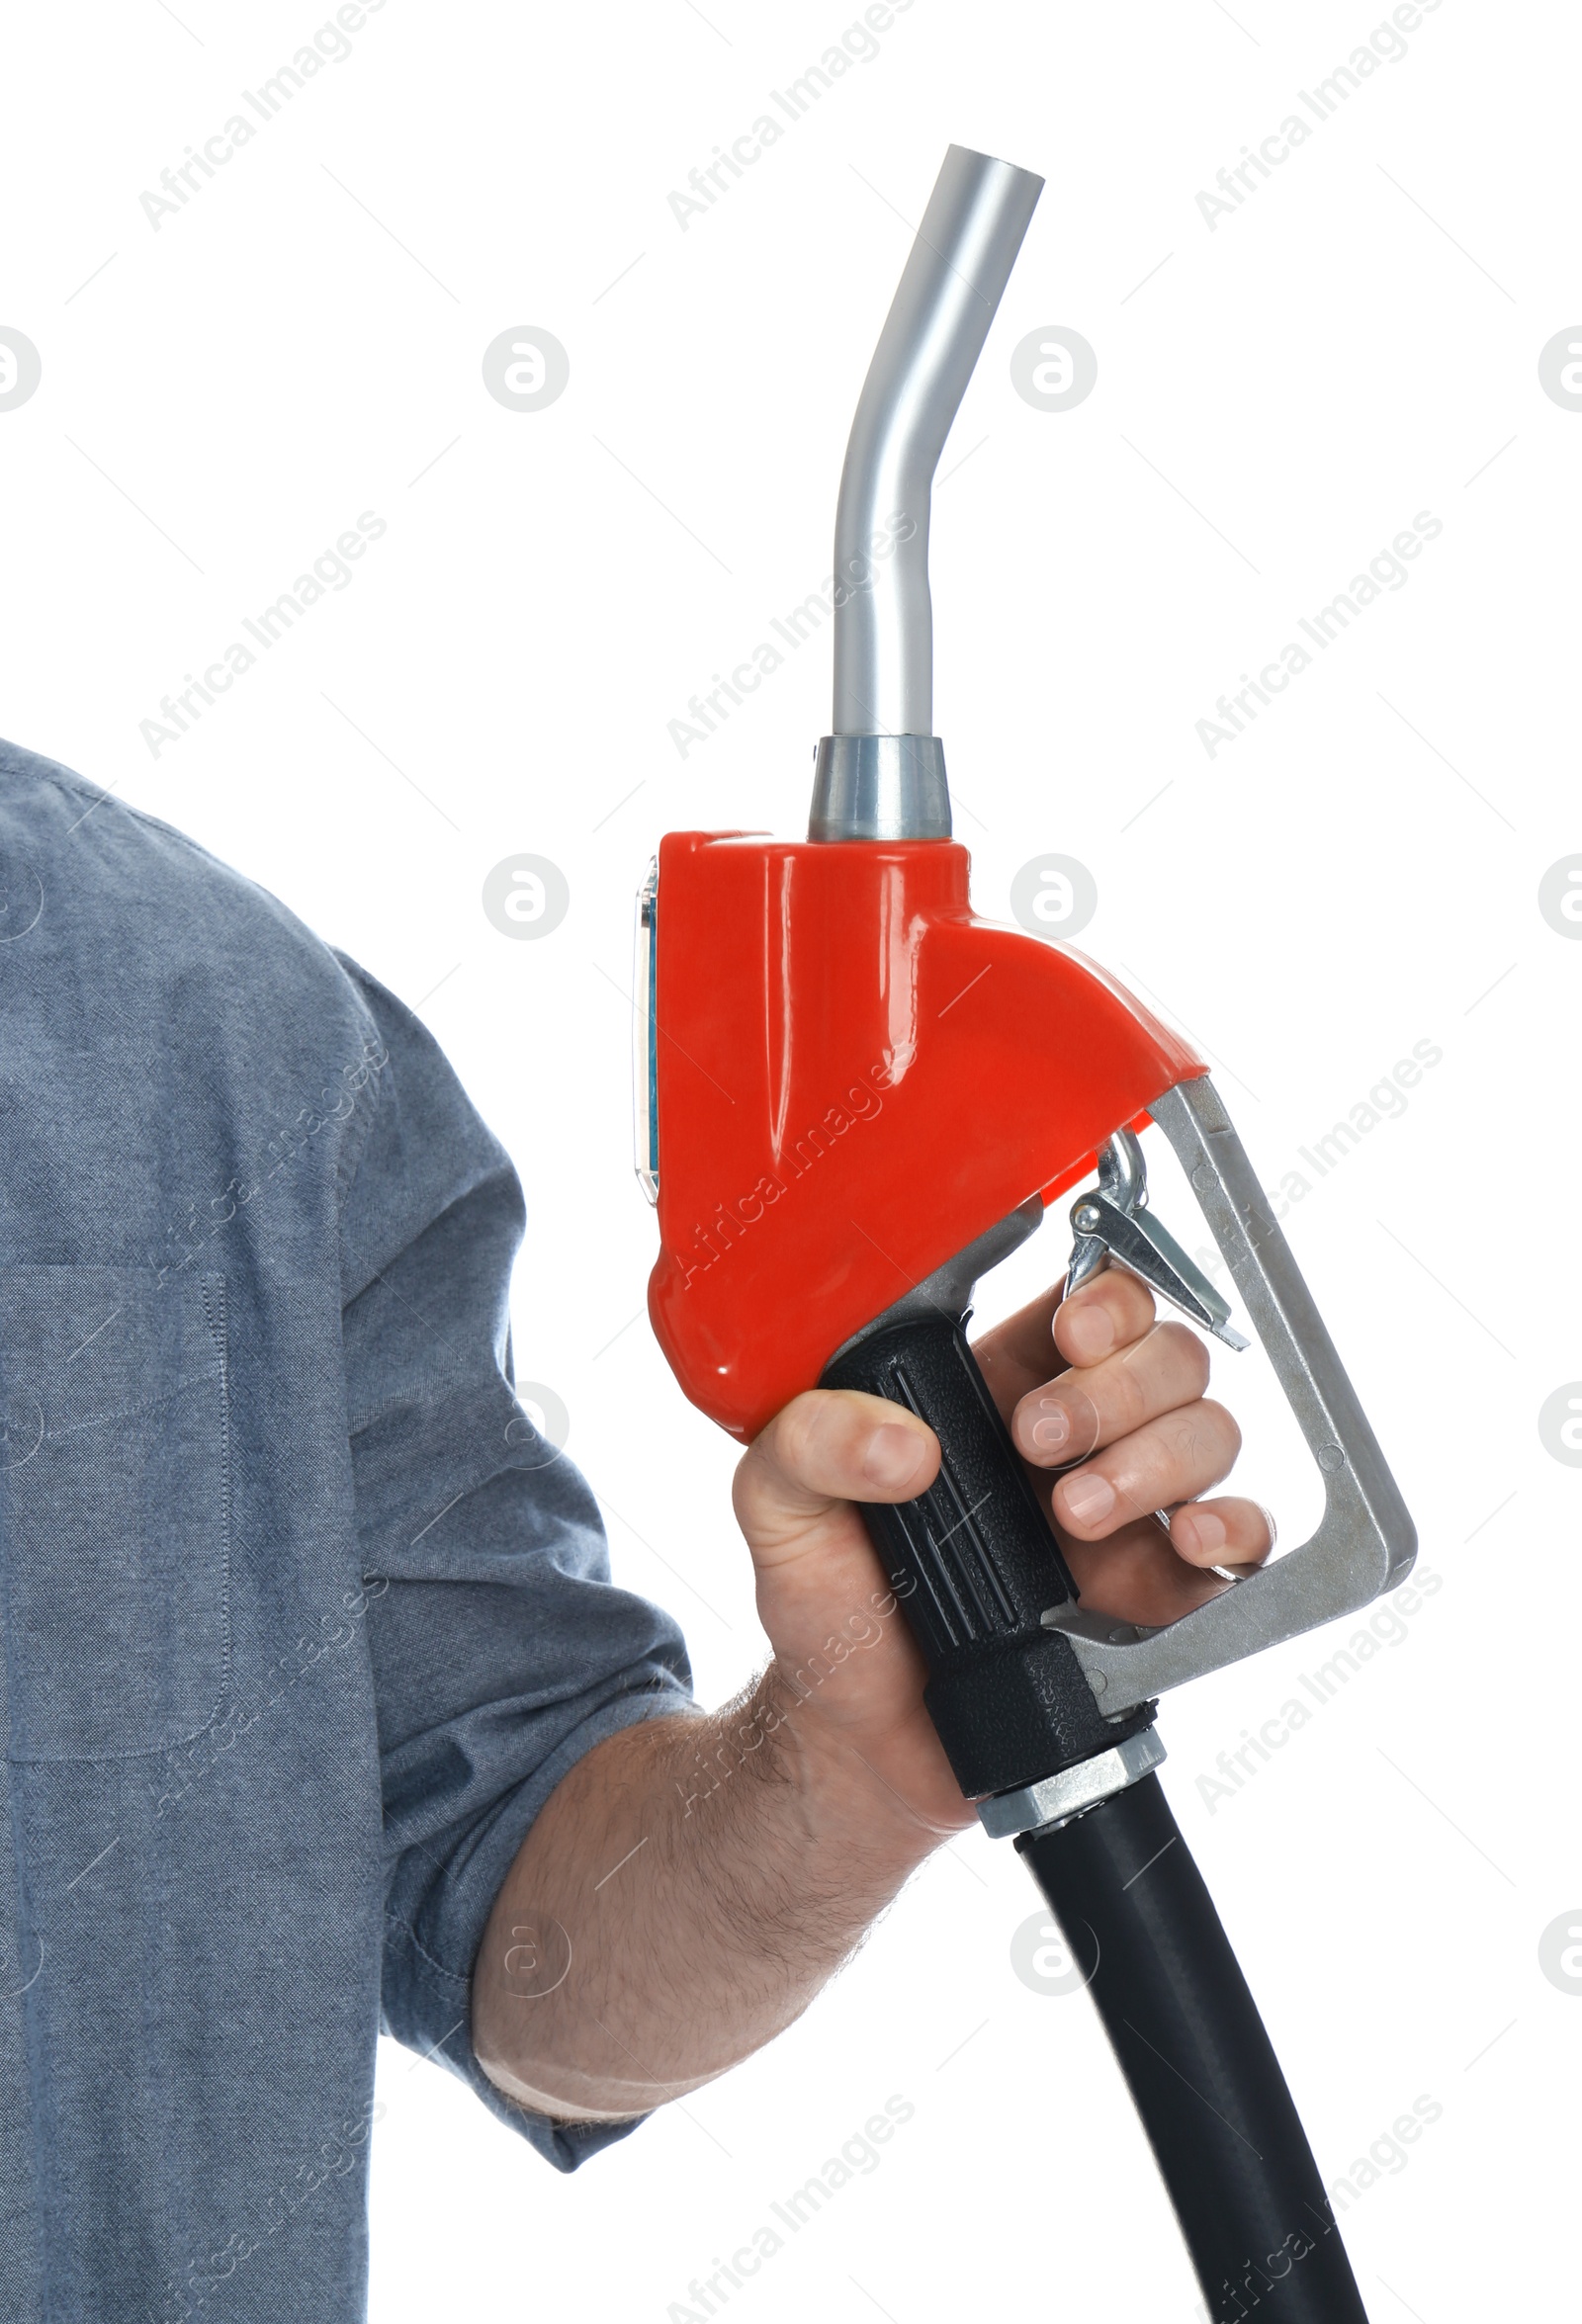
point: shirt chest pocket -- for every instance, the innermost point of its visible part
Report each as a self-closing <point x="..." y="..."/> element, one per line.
<point x="114" y="1508"/>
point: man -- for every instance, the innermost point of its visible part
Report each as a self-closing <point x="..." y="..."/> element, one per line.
<point x="321" y="1710"/>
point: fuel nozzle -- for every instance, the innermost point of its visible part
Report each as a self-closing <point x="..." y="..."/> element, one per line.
<point x="854" y="1097"/>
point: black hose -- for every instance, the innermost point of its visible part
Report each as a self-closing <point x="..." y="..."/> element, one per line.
<point x="975" y="1569"/>
<point x="1230" y="2146"/>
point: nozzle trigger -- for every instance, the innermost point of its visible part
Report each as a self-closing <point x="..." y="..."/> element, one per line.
<point x="1114" y="1222"/>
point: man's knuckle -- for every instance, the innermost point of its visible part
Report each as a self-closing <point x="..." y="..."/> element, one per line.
<point x="1131" y="1401"/>
<point x="1226" y="1427"/>
<point x="796" y="1432"/>
<point x="1134" y="1299"/>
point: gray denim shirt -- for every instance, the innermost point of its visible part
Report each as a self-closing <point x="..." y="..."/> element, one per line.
<point x="302" y="1619"/>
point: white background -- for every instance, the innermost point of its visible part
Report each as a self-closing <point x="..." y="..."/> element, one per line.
<point x="1358" y="872"/>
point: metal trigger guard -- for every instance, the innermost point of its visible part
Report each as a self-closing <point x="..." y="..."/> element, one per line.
<point x="1366" y="1540"/>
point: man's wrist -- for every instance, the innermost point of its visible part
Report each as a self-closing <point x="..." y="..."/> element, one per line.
<point x="847" y="1809"/>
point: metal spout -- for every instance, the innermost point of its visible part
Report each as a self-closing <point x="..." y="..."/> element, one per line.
<point x="880" y="773"/>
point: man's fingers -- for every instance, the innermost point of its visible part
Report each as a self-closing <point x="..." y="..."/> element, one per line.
<point x="1107" y="1311"/>
<point x="1072" y="1415"/>
<point x="1170" y="1459"/>
<point x="1136" y="1577"/>
<point x="1019" y="1352"/>
<point x="829" y="1445"/>
<point x="1228" y="1532"/>
<point x="1110" y="1311"/>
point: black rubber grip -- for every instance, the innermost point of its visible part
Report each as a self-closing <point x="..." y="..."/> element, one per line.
<point x="974" y="1563"/>
<point x="1230" y="2146"/>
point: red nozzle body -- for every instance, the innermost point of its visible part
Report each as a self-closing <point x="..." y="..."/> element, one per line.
<point x="855" y="1078"/>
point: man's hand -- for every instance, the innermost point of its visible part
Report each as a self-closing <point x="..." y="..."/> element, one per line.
<point x="694" y="1879"/>
<point x="1108" y="1388"/>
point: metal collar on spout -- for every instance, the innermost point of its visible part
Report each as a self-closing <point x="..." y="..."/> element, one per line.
<point x="881" y="773"/>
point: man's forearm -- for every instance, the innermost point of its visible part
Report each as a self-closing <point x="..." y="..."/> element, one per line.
<point x="681" y="1897"/>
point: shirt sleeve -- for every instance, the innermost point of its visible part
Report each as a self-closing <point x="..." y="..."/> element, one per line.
<point x="501" y="1651"/>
